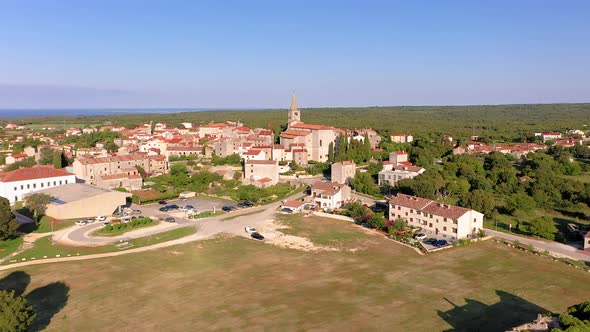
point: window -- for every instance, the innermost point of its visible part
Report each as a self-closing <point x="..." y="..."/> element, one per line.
<point x="411" y="211"/>
<point x="411" y="219"/>
<point x="14" y="188"/>
<point x="445" y="219"/>
<point x="48" y="183"/>
<point x="474" y="220"/>
<point x="34" y="185"/>
<point x="42" y="184"/>
<point x="455" y="221"/>
<point x="60" y="182"/>
<point x="399" y="208"/>
<point x="28" y="186"/>
<point x="430" y="225"/>
<point x="406" y="214"/>
<point x="55" y="182"/>
<point x="445" y="228"/>
<point x="22" y="187"/>
<point x="454" y="230"/>
<point x="399" y="215"/>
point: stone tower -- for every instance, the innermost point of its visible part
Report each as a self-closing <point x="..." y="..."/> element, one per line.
<point x="294" y="112"/>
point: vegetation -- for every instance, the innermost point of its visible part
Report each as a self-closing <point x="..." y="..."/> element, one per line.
<point x="8" y="223"/>
<point x="121" y="228"/>
<point x="576" y="318"/>
<point x="27" y="162"/>
<point x="90" y="139"/>
<point x="37" y="203"/>
<point x="233" y="160"/>
<point x="16" y="314"/>
<point x="7" y="247"/>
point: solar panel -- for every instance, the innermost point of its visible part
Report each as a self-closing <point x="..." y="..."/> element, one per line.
<point x="56" y="201"/>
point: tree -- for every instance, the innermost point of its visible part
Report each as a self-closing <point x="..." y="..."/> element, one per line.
<point x="479" y="200"/>
<point x="331" y="152"/>
<point x="141" y="171"/>
<point x="8" y="223"/>
<point x="57" y="160"/>
<point x="15" y="313"/>
<point x="37" y="202"/>
<point x="110" y="146"/>
<point x="363" y="182"/>
<point x="367" y="147"/>
<point x="45" y="156"/>
<point x="377" y="222"/>
<point x="520" y="201"/>
<point x="543" y="227"/>
<point x="178" y="170"/>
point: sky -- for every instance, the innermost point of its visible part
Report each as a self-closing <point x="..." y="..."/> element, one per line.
<point x="254" y="54"/>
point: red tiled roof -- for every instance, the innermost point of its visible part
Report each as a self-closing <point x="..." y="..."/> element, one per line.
<point x="294" y="133"/>
<point x="265" y="180"/>
<point x="20" y="155"/>
<point x="293" y="204"/>
<point x="265" y="133"/>
<point x="31" y="173"/>
<point x="253" y="152"/>
<point x="445" y="210"/>
<point x="312" y="126"/>
<point x="413" y="202"/>
<point x="406" y="168"/>
<point x="262" y="162"/>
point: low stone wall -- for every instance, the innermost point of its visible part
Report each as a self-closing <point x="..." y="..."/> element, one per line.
<point x="333" y="216"/>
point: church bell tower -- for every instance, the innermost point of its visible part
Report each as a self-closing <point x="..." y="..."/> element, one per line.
<point x="294" y="112"/>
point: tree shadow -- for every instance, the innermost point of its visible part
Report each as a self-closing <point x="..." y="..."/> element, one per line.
<point x="46" y="301"/>
<point x="17" y="281"/>
<point x="509" y="312"/>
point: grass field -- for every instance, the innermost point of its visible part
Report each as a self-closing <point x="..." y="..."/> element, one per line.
<point x="370" y="284"/>
<point x="7" y="247"/>
<point x="44" y="247"/>
<point x="119" y="231"/>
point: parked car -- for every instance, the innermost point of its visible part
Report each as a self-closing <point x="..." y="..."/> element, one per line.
<point x="190" y="207"/>
<point x="440" y="243"/>
<point x="430" y="240"/>
<point x="286" y="210"/>
<point x="245" y="205"/>
<point x="182" y="208"/>
<point x="164" y="209"/>
<point x="81" y="222"/>
<point x="257" y="236"/>
<point x="173" y="207"/>
<point x="136" y="211"/>
<point x="89" y="221"/>
<point x="228" y="208"/>
<point x="101" y="218"/>
<point x="126" y="219"/>
<point x="170" y="219"/>
<point x="162" y="202"/>
<point x="420" y="236"/>
<point x="182" y="199"/>
<point x="249" y="229"/>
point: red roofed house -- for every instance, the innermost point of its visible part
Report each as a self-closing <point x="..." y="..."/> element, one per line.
<point x="330" y="195"/>
<point x="13" y="158"/>
<point x="254" y="154"/>
<point x="15" y="184"/>
<point x="438" y="219"/>
<point x="293" y="206"/>
<point x="261" y="173"/>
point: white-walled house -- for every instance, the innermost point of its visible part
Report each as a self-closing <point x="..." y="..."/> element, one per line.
<point x="14" y="185"/>
<point x="330" y="195"/>
<point x="438" y="219"/>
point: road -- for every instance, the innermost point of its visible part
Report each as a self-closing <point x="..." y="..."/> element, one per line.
<point x="558" y="249"/>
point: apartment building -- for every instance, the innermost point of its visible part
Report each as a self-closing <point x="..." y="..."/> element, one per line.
<point x="436" y="219"/>
<point x="343" y="172"/>
<point x="330" y="195"/>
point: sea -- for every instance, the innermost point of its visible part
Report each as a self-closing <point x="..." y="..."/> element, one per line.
<point x="27" y="113"/>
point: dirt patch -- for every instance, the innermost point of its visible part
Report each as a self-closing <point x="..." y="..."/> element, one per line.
<point x="280" y="239"/>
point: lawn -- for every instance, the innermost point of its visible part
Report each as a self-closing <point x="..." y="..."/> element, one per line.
<point x="44" y="247"/>
<point x="123" y="228"/>
<point x="369" y="284"/>
<point x="7" y="247"/>
<point x="44" y="225"/>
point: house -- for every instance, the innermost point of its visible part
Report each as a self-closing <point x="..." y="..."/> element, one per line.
<point x="11" y="126"/>
<point x="255" y="154"/>
<point x="343" y="172"/>
<point x="401" y="138"/>
<point x="330" y="195"/>
<point x="261" y="173"/>
<point x="15" y="184"/>
<point x="90" y="169"/>
<point x="399" y="172"/>
<point x="550" y="136"/>
<point x="13" y="158"/>
<point x="293" y="206"/>
<point x="438" y="219"/>
<point x="131" y="180"/>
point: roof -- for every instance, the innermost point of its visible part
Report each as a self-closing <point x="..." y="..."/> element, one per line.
<point x="32" y="173"/>
<point x="294" y="133"/>
<point x="311" y="126"/>
<point x="293" y="103"/>
<point x="429" y="206"/>
<point x="72" y="192"/>
<point x="20" y="155"/>
<point x="120" y="176"/>
<point x="265" y="133"/>
<point x="293" y="204"/>
<point x="406" y="168"/>
<point x="328" y="187"/>
<point x="253" y="152"/>
<point x="345" y="162"/>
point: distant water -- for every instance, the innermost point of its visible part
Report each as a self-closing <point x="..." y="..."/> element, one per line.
<point x="22" y="113"/>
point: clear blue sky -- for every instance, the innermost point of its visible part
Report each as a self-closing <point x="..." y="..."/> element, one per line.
<point x="125" y="53"/>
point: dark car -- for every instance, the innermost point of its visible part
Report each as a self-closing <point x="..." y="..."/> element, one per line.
<point x="162" y="202"/>
<point x="245" y="205"/>
<point x="190" y="207"/>
<point x="164" y="209"/>
<point x="173" y="207"/>
<point x="228" y="208"/>
<point x="430" y="240"/>
<point x="170" y="219"/>
<point x="257" y="236"/>
<point x="440" y="243"/>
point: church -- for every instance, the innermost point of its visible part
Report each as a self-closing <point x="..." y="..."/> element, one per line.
<point x="309" y="139"/>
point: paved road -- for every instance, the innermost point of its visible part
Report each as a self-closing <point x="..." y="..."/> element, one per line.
<point x="556" y="248"/>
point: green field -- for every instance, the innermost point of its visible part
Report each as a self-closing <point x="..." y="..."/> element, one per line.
<point x="371" y="283"/>
<point x="44" y="247"/>
<point x="7" y="247"/>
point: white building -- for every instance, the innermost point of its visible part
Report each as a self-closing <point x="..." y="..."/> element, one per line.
<point x="399" y="172"/>
<point x="401" y="138"/>
<point x="14" y="185"/>
<point x="330" y="195"/>
<point x="438" y="219"/>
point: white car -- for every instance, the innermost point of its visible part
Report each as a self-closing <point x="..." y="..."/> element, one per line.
<point x="81" y="222"/>
<point x="420" y="237"/>
<point x="250" y="230"/>
<point x="89" y="221"/>
<point x="101" y="218"/>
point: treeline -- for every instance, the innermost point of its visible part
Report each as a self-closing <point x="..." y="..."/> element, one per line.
<point x="497" y="123"/>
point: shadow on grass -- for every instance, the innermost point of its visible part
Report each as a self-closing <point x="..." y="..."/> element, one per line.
<point x="46" y="301"/>
<point x="509" y="312"/>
